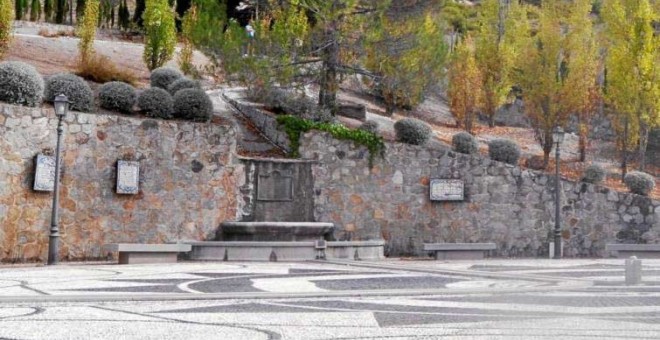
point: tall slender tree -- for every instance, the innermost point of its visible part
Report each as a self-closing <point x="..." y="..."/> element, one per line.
<point x="496" y="46"/>
<point x="160" y="33"/>
<point x="633" y="72"/>
<point x="140" y="6"/>
<point x="87" y="31"/>
<point x="464" y="84"/>
<point x="60" y="11"/>
<point x="35" y="10"/>
<point x="547" y="66"/>
<point x="6" y="20"/>
<point x="406" y="52"/>
<point x="48" y="10"/>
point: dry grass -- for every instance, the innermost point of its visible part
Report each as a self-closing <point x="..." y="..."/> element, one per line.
<point x="47" y="33"/>
<point x="101" y="69"/>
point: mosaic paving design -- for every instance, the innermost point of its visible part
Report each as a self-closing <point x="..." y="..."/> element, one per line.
<point x="429" y="300"/>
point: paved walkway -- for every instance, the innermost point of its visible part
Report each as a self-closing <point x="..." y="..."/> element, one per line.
<point x="394" y="299"/>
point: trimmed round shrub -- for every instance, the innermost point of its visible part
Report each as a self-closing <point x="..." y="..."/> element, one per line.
<point x="504" y="150"/>
<point x="639" y="182"/>
<point x="464" y="142"/>
<point x="117" y="96"/>
<point x="156" y="102"/>
<point x="183" y="83"/>
<point x="370" y="126"/>
<point x="193" y="104"/>
<point x="21" y="84"/>
<point x="412" y="131"/>
<point x="163" y="77"/>
<point x="593" y="174"/>
<point x="76" y="89"/>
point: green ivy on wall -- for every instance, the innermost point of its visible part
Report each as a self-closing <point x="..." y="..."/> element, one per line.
<point x="295" y="126"/>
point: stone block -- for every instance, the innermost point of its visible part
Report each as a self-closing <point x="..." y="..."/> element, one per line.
<point x="633" y="271"/>
<point x="355" y="111"/>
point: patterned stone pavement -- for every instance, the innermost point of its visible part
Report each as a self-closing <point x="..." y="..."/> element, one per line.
<point x="490" y="299"/>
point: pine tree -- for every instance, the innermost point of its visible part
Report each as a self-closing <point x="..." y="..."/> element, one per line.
<point x="406" y="52"/>
<point x="160" y="33"/>
<point x="633" y="72"/>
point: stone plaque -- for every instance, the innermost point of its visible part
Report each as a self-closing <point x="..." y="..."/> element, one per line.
<point x="447" y="190"/>
<point x="128" y="177"/>
<point x="44" y="176"/>
<point x="275" y="186"/>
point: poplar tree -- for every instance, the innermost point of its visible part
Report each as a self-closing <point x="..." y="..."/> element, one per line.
<point x="19" y="9"/>
<point x="87" y="31"/>
<point x="186" y="54"/>
<point x="496" y="46"/>
<point x="48" y="10"/>
<point x="140" y="7"/>
<point x="60" y="11"/>
<point x="159" y="33"/>
<point x="546" y="69"/>
<point x="633" y="73"/>
<point x="464" y="84"/>
<point x="583" y="91"/>
<point x="6" y="21"/>
<point x="35" y="10"/>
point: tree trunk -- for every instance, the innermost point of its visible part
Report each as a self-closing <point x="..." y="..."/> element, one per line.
<point x="547" y="148"/>
<point x="329" y="85"/>
<point x="59" y="11"/>
<point x="643" y="142"/>
<point x="582" y="131"/>
<point x="624" y="150"/>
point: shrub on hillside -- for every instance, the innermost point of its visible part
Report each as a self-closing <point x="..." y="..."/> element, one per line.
<point x="370" y="126"/>
<point x="412" y="131"/>
<point x="282" y="101"/>
<point x="193" y="104"/>
<point x="639" y="182"/>
<point x="78" y="92"/>
<point x="464" y="142"/>
<point x="593" y="174"/>
<point x="504" y="150"/>
<point x="163" y="77"/>
<point x="101" y="69"/>
<point x="20" y="83"/>
<point x="156" y="102"/>
<point x="183" y="83"/>
<point x="117" y="96"/>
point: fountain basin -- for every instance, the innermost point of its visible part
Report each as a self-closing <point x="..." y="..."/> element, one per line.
<point x="276" y="231"/>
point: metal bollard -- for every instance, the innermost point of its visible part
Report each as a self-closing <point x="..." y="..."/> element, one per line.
<point x="633" y="271"/>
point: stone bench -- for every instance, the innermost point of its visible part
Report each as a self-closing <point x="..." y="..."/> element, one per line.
<point x="624" y="250"/>
<point x="459" y="251"/>
<point x="135" y="253"/>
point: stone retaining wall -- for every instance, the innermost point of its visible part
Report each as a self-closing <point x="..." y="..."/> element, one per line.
<point x="188" y="184"/>
<point x="504" y="204"/>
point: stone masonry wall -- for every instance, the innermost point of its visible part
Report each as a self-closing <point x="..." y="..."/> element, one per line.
<point x="187" y="182"/>
<point x="504" y="204"/>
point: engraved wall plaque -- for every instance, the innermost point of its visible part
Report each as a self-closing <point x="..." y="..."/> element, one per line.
<point x="447" y="190"/>
<point x="44" y="175"/>
<point x="128" y="177"/>
<point x="275" y="186"/>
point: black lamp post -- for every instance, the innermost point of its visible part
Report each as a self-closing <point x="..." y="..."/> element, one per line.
<point x="61" y="108"/>
<point x="558" y="137"/>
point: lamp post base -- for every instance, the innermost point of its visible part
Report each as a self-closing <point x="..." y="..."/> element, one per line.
<point x="552" y="253"/>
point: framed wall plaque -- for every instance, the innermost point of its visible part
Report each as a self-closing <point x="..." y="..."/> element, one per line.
<point x="447" y="190"/>
<point x="44" y="175"/>
<point x="128" y="177"/>
<point x="275" y="186"/>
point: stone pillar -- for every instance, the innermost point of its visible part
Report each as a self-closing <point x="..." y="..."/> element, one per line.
<point x="633" y="271"/>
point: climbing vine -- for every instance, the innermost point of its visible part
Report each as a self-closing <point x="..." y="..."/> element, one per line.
<point x="295" y="127"/>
